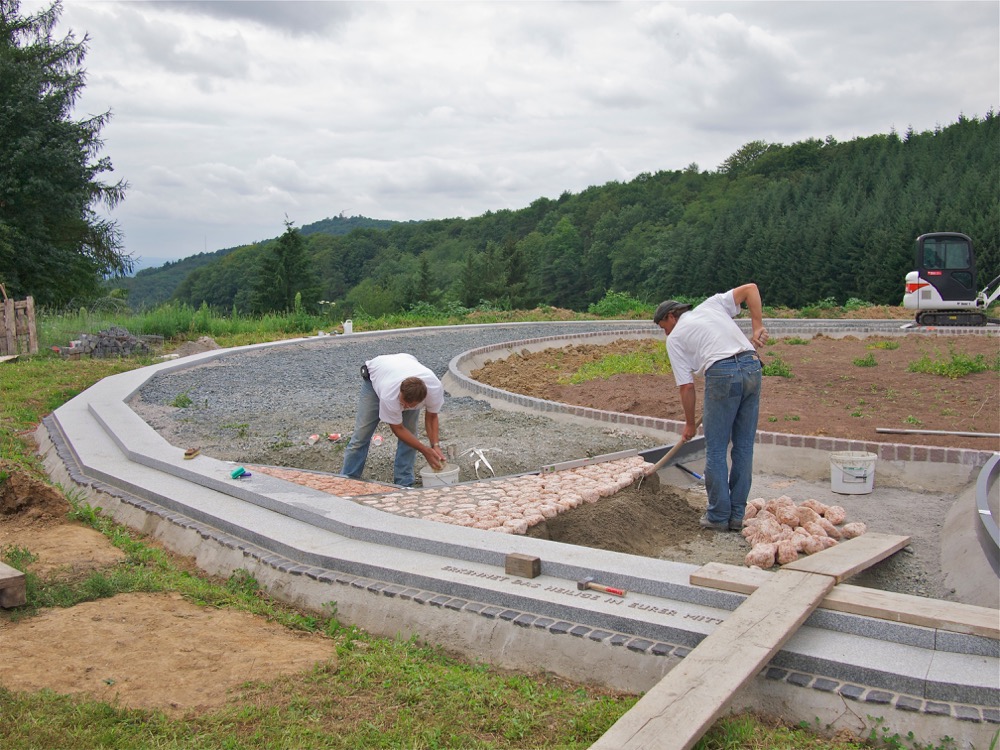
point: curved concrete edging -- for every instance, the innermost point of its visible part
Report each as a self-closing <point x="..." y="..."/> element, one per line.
<point x="394" y="575"/>
<point x="988" y="531"/>
<point x="951" y="465"/>
<point x="910" y="466"/>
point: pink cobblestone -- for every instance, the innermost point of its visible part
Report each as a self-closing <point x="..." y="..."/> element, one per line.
<point x="509" y="505"/>
<point x="340" y="486"/>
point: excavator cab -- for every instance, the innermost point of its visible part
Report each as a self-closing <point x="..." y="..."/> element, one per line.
<point x="948" y="264"/>
<point x="943" y="288"/>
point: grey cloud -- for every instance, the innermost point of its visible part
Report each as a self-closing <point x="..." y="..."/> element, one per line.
<point x="228" y="115"/>
<point x="295" y="17"/>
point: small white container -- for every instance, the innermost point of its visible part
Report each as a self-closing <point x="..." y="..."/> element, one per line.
<point x="431" y="478"/>
<point x="348" y="326"/>
<point x="852" y="472"/>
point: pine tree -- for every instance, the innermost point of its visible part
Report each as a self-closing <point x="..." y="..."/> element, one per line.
<point x="53" y="245"/>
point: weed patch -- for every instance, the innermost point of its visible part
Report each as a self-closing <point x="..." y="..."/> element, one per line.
<point x="866" y="361"/>
<point x="777" y="367"/>
<point x="957" y="365"/>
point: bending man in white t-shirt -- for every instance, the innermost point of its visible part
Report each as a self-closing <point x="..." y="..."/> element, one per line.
<point x="393" y="388"/>
<point x="707" y="341"/>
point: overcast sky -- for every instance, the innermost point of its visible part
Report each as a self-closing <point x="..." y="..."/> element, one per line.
<point x="230" y="116"/>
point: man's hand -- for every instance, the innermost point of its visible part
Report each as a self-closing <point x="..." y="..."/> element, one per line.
<point x="435" y="458"/>
<point x="759" y="337"/>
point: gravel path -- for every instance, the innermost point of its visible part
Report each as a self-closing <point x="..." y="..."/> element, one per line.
<point x="262" y="406"/>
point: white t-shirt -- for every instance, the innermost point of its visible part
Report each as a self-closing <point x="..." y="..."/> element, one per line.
<point x="705" y="335"/>
<point x="387" y="373"/>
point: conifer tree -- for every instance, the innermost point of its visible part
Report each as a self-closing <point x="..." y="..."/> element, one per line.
<point x="53" y="244"/>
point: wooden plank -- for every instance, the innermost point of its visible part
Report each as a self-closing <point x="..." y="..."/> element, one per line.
<point x="32" y="331"/>
<point x="953" y="617"/>
<point x="678" y="710"/>
<point x="850" y="557"/>
<point x="9" y="338"/>
<point x="13" y="588"/>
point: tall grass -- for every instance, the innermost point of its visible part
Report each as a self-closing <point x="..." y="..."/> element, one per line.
<point x="177" y="322"/>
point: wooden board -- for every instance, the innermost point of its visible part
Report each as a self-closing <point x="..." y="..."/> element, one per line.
<point x="679" y="709"/>
<point x="884" y="605"/>
<point x="12" y="587"/>
<point x="850" y="557"/>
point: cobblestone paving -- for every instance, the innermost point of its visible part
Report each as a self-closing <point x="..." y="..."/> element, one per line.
<point x="509" y="505"/>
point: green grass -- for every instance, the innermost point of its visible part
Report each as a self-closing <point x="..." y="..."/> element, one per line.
<point x="887" y="345"/>
<point x="649" y="359"/>
<point x="866" y="361"/>
<point x="383" y="693"/>
<point x="956" y="365"/>
<point x="777" y="367"/>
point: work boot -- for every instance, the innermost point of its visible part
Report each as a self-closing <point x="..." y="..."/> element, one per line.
<point x="706" y="524"/>
<point x="735" y="525"/>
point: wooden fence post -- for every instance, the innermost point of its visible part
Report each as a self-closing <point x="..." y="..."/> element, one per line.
<point x="18" y="322"/>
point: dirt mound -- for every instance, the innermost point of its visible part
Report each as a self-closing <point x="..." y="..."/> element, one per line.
<point x="32" y="500"/>
<point x="638" y="520"/>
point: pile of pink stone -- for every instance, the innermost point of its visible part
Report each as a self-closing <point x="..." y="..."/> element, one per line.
<point x="779" y="530"/>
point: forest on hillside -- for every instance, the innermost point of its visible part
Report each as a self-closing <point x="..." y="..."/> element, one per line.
<point x="810" y="221"/>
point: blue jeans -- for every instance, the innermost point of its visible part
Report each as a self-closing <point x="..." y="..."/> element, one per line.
<point x="365" y="423"/>
<point x="732" y="404"/>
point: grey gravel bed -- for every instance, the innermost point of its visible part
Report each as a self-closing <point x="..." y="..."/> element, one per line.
<point x="261" y="406"/>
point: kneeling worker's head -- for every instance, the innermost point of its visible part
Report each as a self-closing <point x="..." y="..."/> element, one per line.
<point x="412" y="392"/>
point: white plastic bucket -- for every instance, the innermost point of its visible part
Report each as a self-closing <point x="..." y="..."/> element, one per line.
<point x="431" y="478"/>
<point x="852" y="472"/>
<point x="348" y="326"/>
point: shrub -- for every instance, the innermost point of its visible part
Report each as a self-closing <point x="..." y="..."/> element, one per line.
<point x="619" y="305"/>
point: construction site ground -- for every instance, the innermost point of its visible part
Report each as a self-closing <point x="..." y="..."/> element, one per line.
<point x="823" y="395"/>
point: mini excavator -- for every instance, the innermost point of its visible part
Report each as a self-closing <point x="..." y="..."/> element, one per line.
<point x="943" y="288"/>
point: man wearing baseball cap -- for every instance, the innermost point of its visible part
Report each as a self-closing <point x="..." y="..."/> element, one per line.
<point x="706" y="341"/>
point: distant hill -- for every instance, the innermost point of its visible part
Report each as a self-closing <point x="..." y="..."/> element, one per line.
<point x="810" y="221"/>
<point x="345" y="225"/>
<point x="153" y="286"/>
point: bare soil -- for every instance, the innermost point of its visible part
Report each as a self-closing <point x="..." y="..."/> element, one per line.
<point x="827" y="392"/>
<point x="160" y="651"/>
<point x="154" y="651"/>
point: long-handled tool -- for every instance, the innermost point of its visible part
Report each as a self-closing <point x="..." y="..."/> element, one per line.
<point x="667" y="456"/>
<point x="588" y="583"/>
<point x="686" y="470"/>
